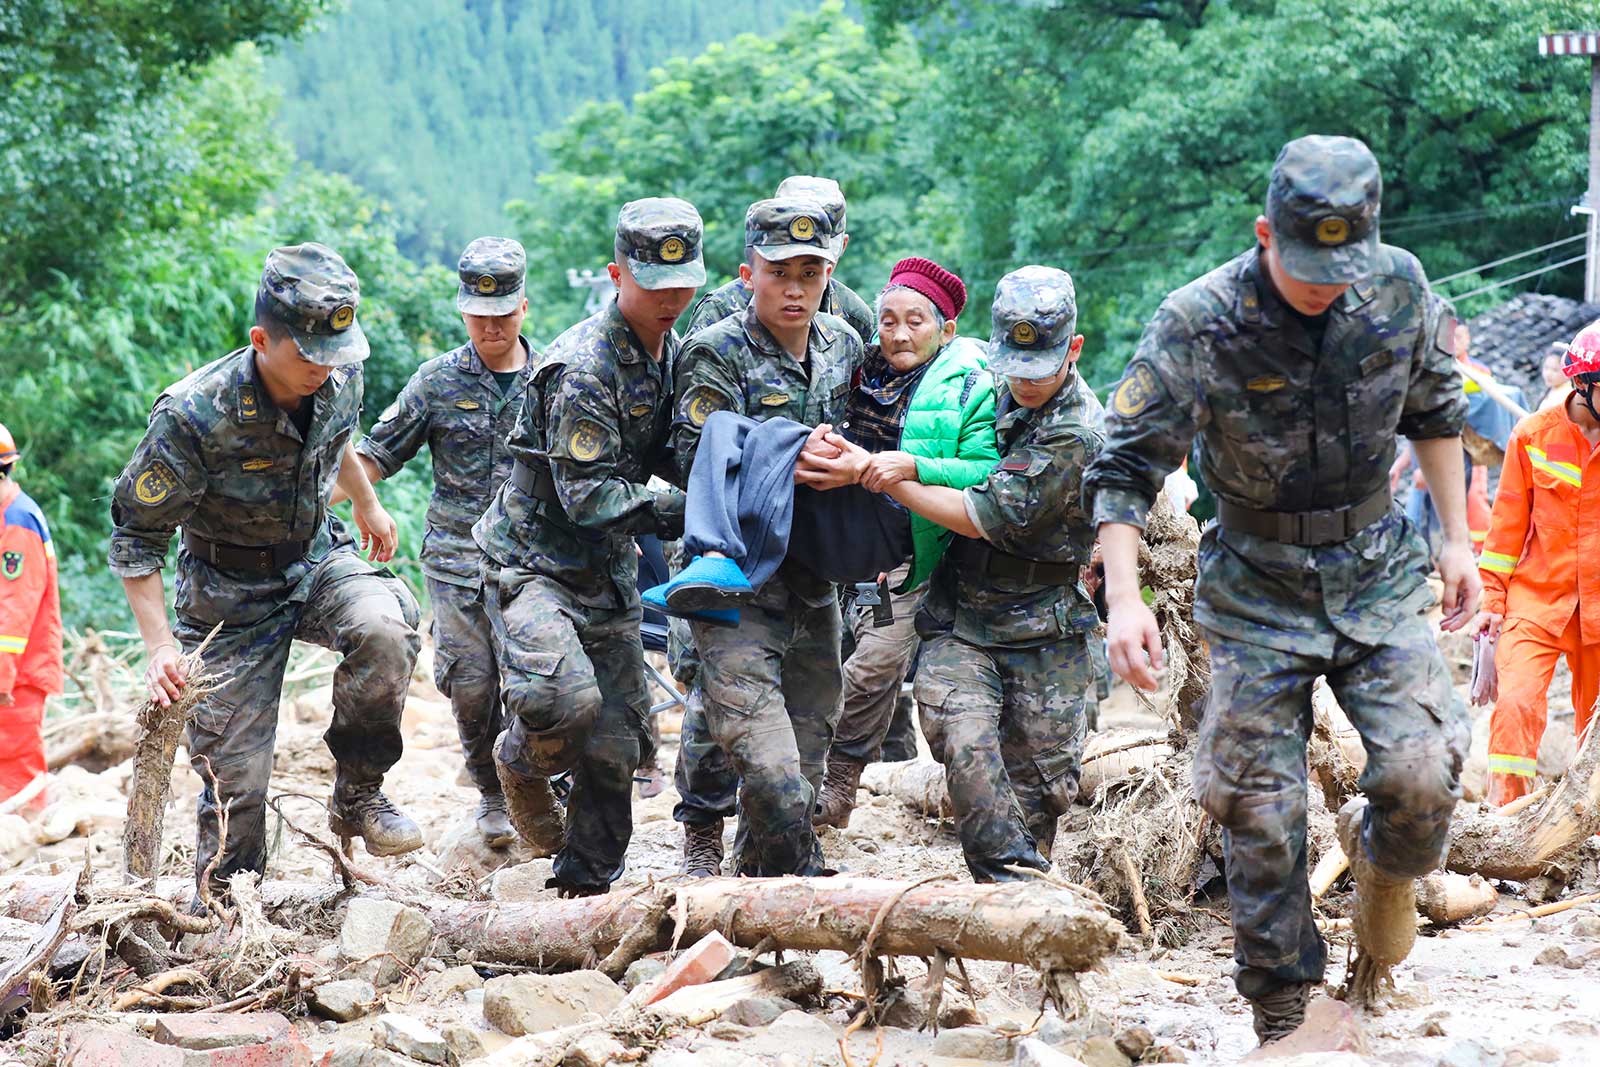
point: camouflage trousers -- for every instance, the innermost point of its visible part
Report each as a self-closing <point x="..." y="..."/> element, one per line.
<point x="365" y="614"/>
<point x="464" y="670"/>
<point x="771" y="694"/>
<point x="1250" y="775"/>
<point x="1008" y="725"/>
<point x="573" y="683"/>
<point x="707" y="784"/>
<point x="874" y="671"/>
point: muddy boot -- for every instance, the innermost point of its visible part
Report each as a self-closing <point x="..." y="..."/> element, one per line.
<point x="533" y="809"/>
<point x="1279" y="1013"/>
<point x="361" y="810"/>
<point x="838" y="792"/>
<point x="1385" y="920"/>
<point x="493" y="823"/>
<point x="702" y="849"/>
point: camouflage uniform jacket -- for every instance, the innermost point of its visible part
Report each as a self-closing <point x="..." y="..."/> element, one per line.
<point x="737" y="365"/>
<point x="454" y="406"/>
<point x="734" y="297"/>
<point x="1032" y="507"/>
<point x="221" y="460"/>
<point x="1286" y="427"/>
<point x="596" y="412"/>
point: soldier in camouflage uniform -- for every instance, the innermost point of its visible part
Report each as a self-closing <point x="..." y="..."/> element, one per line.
<point x="561" y="567"/>
<point x="244" y="454"/>
<point x="839" y="299"/>
<point x="771" y="686"/>
<point x="1297" y="363"/>
<point x="1005" y="660"/>
<point x="462" y="406"/>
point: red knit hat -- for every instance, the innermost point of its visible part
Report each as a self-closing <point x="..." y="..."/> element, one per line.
<point x="947" y="292"/>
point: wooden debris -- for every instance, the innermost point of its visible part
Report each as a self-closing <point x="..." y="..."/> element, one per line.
<point x="1447" y="898"/>
<point x="1332" y="864"/>
<point x="1168" y="566"/>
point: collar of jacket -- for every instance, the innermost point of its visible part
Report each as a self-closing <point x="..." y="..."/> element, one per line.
<point x="818" y="336"/>
<point x="623" y="341"/>
<point x="252" y="403"/>
<point x="1259" y="302"/>
<point x="1009" y="413"/>
<point x="468" y="360"/>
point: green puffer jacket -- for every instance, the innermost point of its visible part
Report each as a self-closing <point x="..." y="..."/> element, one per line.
<point x="949" y="427"/>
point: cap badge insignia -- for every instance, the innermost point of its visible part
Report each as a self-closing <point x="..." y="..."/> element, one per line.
<point x="803" y="228"/>
<point x="342" y="317"/>
<point x="1333" y="231"/>
<point x="1024" y="333"/>
<point x="486" y="284"/>
<point x="673" y="250"/>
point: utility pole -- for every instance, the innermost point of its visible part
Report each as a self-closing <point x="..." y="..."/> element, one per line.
<point x="1586" y="43"/>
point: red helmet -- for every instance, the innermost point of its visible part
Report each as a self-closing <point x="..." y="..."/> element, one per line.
<point x="1581" y="362"/>
<point x="8" y="447"/>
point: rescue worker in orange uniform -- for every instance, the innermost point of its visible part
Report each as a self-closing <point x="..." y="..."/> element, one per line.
<point x="1541" y="575"/>
<point x="30" y="628"/>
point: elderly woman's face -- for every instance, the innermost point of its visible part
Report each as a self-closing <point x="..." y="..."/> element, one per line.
<point x="908" y="329"/>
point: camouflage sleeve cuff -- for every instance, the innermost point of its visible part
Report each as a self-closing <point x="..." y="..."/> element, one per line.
<point x="669" y="507"/>
<point x="134" y="557"/>
<point x="1121" y="506"/>
<point x="388" y="466"/>
<point x="981" y="511"/>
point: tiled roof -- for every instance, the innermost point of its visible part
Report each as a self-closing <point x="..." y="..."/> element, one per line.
<point x="1513" y="337"/>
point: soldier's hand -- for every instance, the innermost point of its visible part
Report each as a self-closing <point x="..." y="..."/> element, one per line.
<point x="165" y="675"/>
<point x="1133" y="643"/>
<point x="1462" y="586"/>
<point x="379" y="535"/>
<point x="817" y="443"/>
<point x="822" y="472"/>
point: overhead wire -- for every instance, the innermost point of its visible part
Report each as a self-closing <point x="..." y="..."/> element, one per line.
<point x="1521" y="277"/>
<point x="1507" y="259"/>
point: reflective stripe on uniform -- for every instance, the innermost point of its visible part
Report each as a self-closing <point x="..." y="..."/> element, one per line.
<point x="1498" y="562"/>
<point x="1522" y="766"/>
<point x="9" y="643"/>
<point x="1567" y="472"/>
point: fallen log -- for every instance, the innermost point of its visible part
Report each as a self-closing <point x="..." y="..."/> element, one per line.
<point x="94" y="741"/>
<point x="1533" y="842"/>
<point x="1336" y="755"/>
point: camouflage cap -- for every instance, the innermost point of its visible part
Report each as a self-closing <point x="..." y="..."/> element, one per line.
<point x="660" y="236"/>
<point x="492" y="272"/>
<point x="310" y="289"/>
<point x="1322" y="207"/>
<point x="824" y="191"/>
<point x="789" y="227"/>
<point x="1035" y="318"/>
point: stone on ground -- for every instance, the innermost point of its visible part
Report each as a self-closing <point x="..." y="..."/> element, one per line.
<point x="522" y="881"/>
<point x="518" y="1004"/>
<point x="375" y="930"/>
<point x="344" y="1000"/>
<point x="410" y="1037"/>
<point x="448" y="983"/>
<point x="973" y="1043"/>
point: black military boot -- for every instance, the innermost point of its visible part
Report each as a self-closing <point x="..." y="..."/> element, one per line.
<point x="493" y="822"/>
<point x="359" y="809"/>
<point x="1279" y="1013"/>
<point x="839" y="787"/>
<point x="533" y="809"/>
<point x="702" y="849"/>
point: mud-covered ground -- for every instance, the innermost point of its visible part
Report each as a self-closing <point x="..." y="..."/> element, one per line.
<point x="1528" y="992"/>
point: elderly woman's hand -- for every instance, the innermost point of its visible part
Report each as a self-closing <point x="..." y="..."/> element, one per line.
<point x="821" y="471"/>
<point x="889" y="468"/>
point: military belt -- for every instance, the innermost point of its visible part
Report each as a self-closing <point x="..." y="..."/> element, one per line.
<point x="1004" y="565"/>
<point x="1325" y="527"/>
<point x="538" y="483"/>
<point x="251" y="559"/>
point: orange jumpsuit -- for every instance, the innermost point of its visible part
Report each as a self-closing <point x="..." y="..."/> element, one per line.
<point x="30" y="636"/>
<point x="1534" y="574"/>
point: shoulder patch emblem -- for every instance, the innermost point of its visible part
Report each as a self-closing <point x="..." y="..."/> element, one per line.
<point x="468" y="405"/>
<point x="1267" y="383"/>
<point x="700" y="403"/>
<point x="777" y="400"/>
<point x="11" y="566"/>
<point x="588" y="437"/>
<point x="1137" y="391"/>
<point x="639" y="411"/>
<point x="154" y="484"/>
<point x="258" y="464"/>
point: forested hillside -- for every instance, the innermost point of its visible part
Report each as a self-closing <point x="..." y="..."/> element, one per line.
<point x="438" y="106"/>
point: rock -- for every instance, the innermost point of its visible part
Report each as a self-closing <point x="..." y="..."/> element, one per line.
<point x="431" y="965"/>
<point x="437" y="987"/>
<point x="463" y="848"/>
<point x="1330" y="1026"/>
<point x="524" y="881"/>
<point x="958" y="1015"/>
<point x="327" y="1026"/>
<point x="1431" y="1027"/>
<point x="1471" y="1053"/>
<point x="209" y="1030"/>
<point x="344" y="1000"/>
<point x="799" y="1027"/>
<point x="757" y="1012"/>
<point x="1585" y="926"/>
<point x="1134" y="1042"/>
<point x="641" y="971"/>
<point x="593" y="1050"/>
<point x="1101" y="1051"/>
<point x="973" y="1043"/>
<point x="703" y="961"/>
<point x="463" y="1041"/>
<point x="410" y="1037"/>
<point x="348" y="1055"/>
<point x="1551" y="956"/>
<point x="518" y="1004"/>
<point x="723" y="1030"/>
<point x="1168" y="1054"/>
<point x="99" y="1046"/>
<point x="1031" y="1052"/>
<point x="374" y="929"/>
<point x="908" y="1010"/>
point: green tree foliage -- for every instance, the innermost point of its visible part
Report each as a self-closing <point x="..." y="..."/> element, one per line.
<point x="722" y="130"/>
<point x="1130" y="142"/>
<point x="437" y="105"/>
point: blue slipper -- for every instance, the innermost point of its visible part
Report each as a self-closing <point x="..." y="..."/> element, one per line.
<point x="655" y="597"/>
<point x="708" y="583"/>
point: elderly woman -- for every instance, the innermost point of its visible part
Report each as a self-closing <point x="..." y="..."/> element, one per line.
<point x="923" y="407"/>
